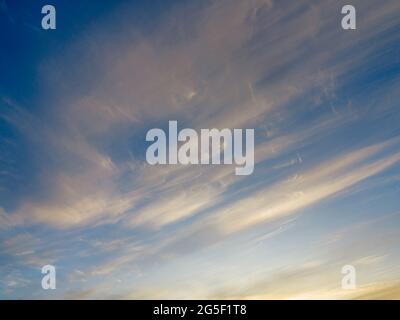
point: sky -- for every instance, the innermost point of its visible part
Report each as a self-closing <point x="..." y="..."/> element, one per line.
<point x="77" y="193"/>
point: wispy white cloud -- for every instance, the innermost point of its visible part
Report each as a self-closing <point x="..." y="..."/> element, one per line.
<point x="273" y="66"/>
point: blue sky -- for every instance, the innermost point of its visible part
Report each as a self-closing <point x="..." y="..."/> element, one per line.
<point x="77" y="193"/>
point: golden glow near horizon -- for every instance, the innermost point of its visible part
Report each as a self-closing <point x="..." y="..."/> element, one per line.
<point x="315" y="216"/>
